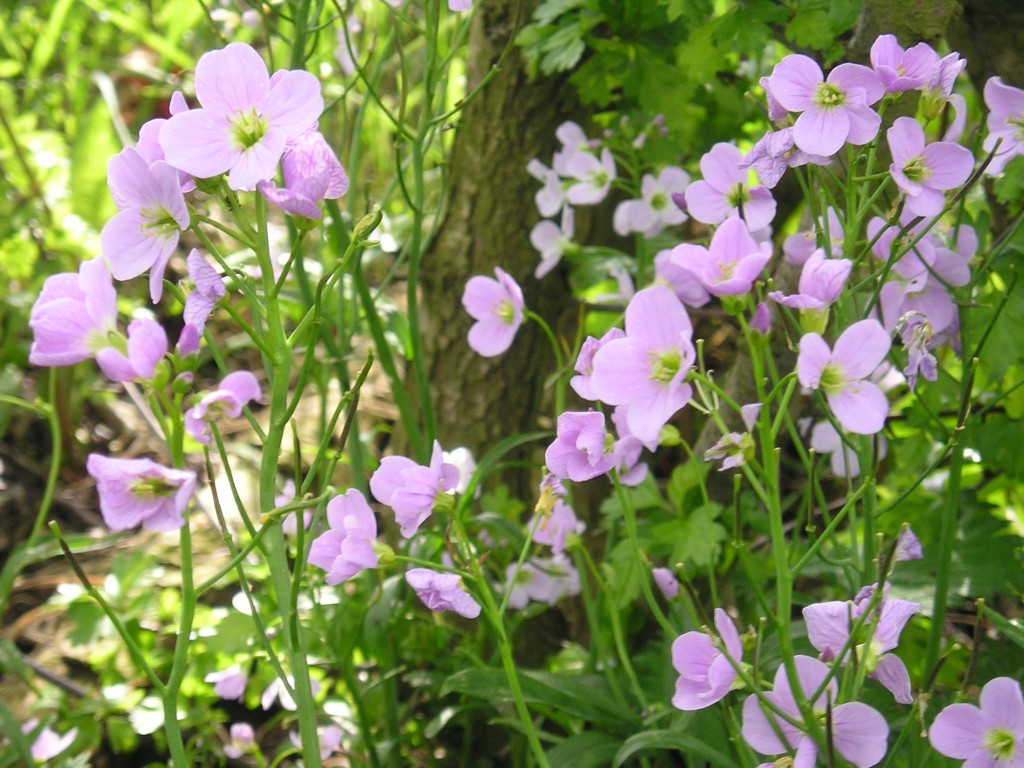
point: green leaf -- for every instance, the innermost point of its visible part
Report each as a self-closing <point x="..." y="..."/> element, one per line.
<point x="562" y="50"/>
<point x="1011" y="629"/>
<point x="94" y="145"/>
<point x="550" y="10"/>
<point x="589" y="749"/>
<point x="585" y="697"/>
<point x="699" y="543"/>
<point x="672" y="740"/>
<point x="811" y="28"/>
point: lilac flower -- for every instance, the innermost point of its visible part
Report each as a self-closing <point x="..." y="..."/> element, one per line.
<point x="730" y="264"/>
<point x="462" y="459"/>
<point x="776" y="152"/>
<point x="411" y="490"/>
<point x="670" y="270"/>
<point x="147" y="345"/>
<point x="798" y="247"/>
<point x="830" y="625"/>
<point x="229" y="683"/>
<point x="667" y="583"/>
<point x="574" y="141"/>
<point x="938" y="90"/>
<point x="706" y="674"/>
<point x="858" y="732"/>
<point x="1005" y="123"/>
<point x="553" y="241"/>
<point x="236" y="390"/>
<point x="148" y="144"/>
<point x="460" y="5"/>
<point x="542" y="580"/>
<point x="724" y="192"/>
<point x="311" y="173"/>
<point x="825" y="440"/>
<point x="442" y="592"/>
<point x="141" y="492"/>
<point x="902" y="70"/>
<point x="243" y="741"/>
<point x="497" y="306"/>
<point x="859" y="405"/>
<point x="733" y="449"/>
<point x="550" y="198"/>
<point x="74" y="316"/>
<point x="48" y="743"/>
<point x="246" y="118"/>
<point x="761" y="321"/>
<point x="916" y="333"/>
<point x="329" y="736"/>
<point x="593" y="177"/>
<point x="988" y="736"/>
<point x="908" y="303"/>
<point x="645" y="370"/>
<point x="145" y="231"/>
<point x="821" y="282"/>
<point x="925" y="172"/>
<point x="834" y="110"/>
<point x="553" y="528"/>
<point x="581" y="447"/>
<point x="908" y="546"/>
<point x="199" y="304"/>
<point x="346" y="547"/>
<point x="654" y="210"/>
<point x="279" y="690"/>
<point x="585" y="362"/>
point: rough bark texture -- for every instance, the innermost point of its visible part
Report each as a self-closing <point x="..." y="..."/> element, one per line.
<point x="489" y="216"/>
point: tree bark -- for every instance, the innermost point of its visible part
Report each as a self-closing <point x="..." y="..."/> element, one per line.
<point x="489" y="216"/>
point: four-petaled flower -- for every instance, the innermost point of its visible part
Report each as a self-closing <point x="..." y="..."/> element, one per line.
<point x="988" y="736"/>
<point x="724" y="191"/>
<point x="140" y="491"/>
<point x="412" y="490"/>
<point x="925" y="172"/>
<point x="442" y="592"/>
<point x="834" y="110"/>
<point x="645" y="370"/>
<point x="346" y="547"/>
<point x="497" y="306"/>
<point x="706" y="669"/>
<point x="859" y="405"/>
<point x="246" y="119"/>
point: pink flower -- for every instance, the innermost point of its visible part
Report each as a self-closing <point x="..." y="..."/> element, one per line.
<point x="667" y="583"/>
<point x="925" y="172"/>
<point x="645" y="370"/>
<point x="989" y="736"/>
<point x="670" y="270"/>
<point x="236" y="390"/>
<point x="551" y="197"/>
<point x="730" y="264"/>
<point x="542" y="580"/>
<point x="705" y="673"/>
<point x="246" y="120"/>
<point x="74" y="316"/>
<point x="145" y="232"/>
<point x="329" y="736"/>
<point x="899" y="69"/>
<point x="859" y="405"/>
<point x="724" y="191"/>
<point x="654" y="210"/>
<point x="346" y="547"/>
<point x="585" y="362"/>
<point x="243" y="741"/>
<point x="843" y="460"/>
<point x="1005" y="120"/>
<point x="593" y="177"/>
<point x="141" y="492"/>
<point x="311" y="173"/>
<point x="442" y="592"/>
<point x="553" y="528"/>
<point x="776" y="152"/>
<point x="553" y="241"/>
<point x="497" y="306"/>
<point x="858" y="732"/>
<point x="830" y="624"/>
<point x="581" y="447"/>
<point x="48" y="743"/>
<point x="821" y="282"/>
<point x="833" y="111"/>
<point x="199" y="304"/>
<point x="147" y="345"/>
<point x="229" y="683"/>
<point x="411" y="490"/>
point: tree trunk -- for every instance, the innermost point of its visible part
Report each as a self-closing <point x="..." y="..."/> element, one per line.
<point x="490" y="213"/>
